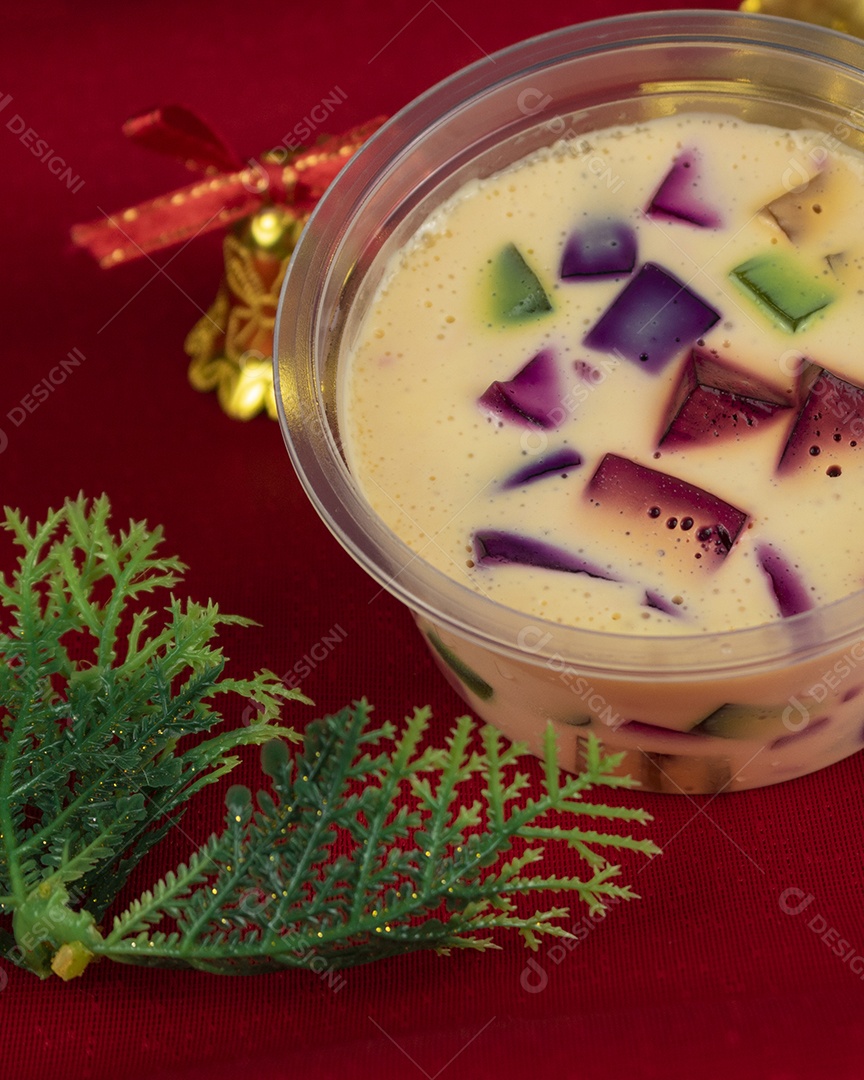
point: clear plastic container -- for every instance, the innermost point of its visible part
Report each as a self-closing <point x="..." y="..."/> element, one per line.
<point x="791" y="693"/>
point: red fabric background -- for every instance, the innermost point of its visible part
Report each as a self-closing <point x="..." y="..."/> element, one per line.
<point x="703" y="976"/>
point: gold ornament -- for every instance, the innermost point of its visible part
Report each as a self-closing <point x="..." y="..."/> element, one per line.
<point x="844" y="15"/>
<point x="231" y="346"/>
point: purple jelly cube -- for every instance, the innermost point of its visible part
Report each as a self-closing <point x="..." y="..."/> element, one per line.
<point x="599" y="248"/>
<point x="653" y="318"/>
<point x="713" y="401"/>
<point x="808" y="729"/>
<point x="559" y="463"/>
<point x="650" y="511"/>
<point x="659" y="603"/>
<point x="786" y="582"/>
<point x="531" y="397"/>
<point x="680" y="196"/>
<point x="492" y="547"/>
<point x="828" y="435"/>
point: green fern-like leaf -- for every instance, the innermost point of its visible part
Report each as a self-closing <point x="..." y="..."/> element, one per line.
<point x="417" y="867"/>
<point x="96" y="696"/>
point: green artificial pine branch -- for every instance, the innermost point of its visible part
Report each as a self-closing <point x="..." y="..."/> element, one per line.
<point x="96" y="696"/>
<point x="368" y="842"/>
<point x="416" y="867"/>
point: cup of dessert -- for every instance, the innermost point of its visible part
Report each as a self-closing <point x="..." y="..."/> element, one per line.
<point x="567" y="361"/>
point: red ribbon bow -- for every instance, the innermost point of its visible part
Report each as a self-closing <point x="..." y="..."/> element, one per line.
<point x="229" y="190"/>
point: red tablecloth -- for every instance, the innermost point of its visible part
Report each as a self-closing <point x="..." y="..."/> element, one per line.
<point x="707" y="975"/>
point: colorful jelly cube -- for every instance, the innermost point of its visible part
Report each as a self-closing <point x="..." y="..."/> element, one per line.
<point x="810" y="728"/>
<point x="829" y="431"/>
<point x="654" y="600"/>
<point x="465" y="674"/>
<point x="493" y="547"/>
<point x="532" y="397"/>
<point x="663" y="734"/>
<point x="758" y="722"/>
<point x="652" y="320"/>
<point x="681" y="195"/>
<point x="745" y="366"/>
<point x="789" y="291"/>
<point x="683" y="773"/>
<point x="557" y="463"/>
<point x="649" y="510"/>
<point x="712" y="401"/>
<point x="516" y="289"/>
<point x="598" y="249"/>
<point x="815" y="215"/>
<point x="786" y="581"/>
<point x="724" y="373"/>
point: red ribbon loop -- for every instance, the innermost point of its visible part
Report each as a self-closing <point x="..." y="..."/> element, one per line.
<point x="228" y="191"/>
<point x="177" y="132"/>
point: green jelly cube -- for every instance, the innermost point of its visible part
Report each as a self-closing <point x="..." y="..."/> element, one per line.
<point x="789" y="292"/>
<point x="516" y="289"/>
<point x="746" y="722"/>
<point x="466" y="675"/>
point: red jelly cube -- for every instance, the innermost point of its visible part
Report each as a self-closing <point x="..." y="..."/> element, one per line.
<point x="713" y="400"/>
<point x="651" y="511"/>
<point x="829" y="431"/>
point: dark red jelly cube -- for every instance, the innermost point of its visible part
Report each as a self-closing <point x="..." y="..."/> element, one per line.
<point x="531" y="397"/>
<point x="653" y="318"/>
<point x="713" y="401"/>
<point x="651" y="511"/>
<point x="787" y="584"/>
<point x="829" y="432"/>
<point x="681" y="195"/>
<point x="599" y="248"/>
